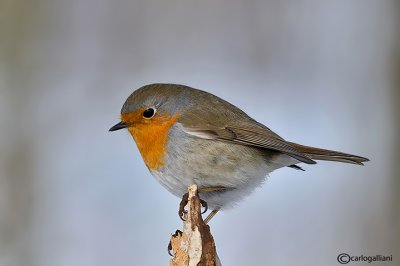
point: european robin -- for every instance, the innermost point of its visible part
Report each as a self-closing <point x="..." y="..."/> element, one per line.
<point x="187" y="136"/>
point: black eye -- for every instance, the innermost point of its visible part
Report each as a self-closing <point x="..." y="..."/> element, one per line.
<point x="149" y="113"/>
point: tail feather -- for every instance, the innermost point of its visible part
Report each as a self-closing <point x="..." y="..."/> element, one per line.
<point x="328" y="155"/>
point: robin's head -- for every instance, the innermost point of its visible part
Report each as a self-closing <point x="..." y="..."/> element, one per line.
<point x="153" y="103"/>
<point x="149" y="113"/>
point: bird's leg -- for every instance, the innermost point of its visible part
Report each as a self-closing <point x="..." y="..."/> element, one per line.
<point x="211" y="215"/>
<point x="211" y="189"/>
<point x="183" y="204"/>
<point x="204" y="204"/>
<point x="182" y="210"/>
<point x="185" y="199"/>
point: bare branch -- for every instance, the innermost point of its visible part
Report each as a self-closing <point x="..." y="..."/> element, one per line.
<point x="195" y="246"/>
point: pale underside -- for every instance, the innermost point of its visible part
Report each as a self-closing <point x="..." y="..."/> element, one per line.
<point x="214" y="163"/>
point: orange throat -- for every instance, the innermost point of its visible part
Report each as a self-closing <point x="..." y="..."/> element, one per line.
<point x="151" y="138"/>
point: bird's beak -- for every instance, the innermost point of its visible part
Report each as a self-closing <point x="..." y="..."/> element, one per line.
<point x="119" y="126"/>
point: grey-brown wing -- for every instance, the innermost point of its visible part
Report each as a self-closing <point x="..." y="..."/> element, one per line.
<point x="257" y="137"/>
<point x="220" y="120"/>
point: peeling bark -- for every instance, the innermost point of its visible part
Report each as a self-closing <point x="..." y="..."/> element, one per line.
<point x="195" y="246"/>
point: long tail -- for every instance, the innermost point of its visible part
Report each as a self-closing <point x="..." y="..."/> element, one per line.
<point x="328" y="155"/>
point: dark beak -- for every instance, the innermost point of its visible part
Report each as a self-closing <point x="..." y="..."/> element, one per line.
<point x="119" y="126"/>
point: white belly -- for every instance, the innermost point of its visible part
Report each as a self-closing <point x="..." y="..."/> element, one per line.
<point x="240" y="170"/>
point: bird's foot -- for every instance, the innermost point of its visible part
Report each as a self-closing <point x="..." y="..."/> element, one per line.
<point x="177" y="232"/>
<point x="183" y="204"/>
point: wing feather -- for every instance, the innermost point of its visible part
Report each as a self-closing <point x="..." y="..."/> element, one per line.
<point x="262" y="138"/>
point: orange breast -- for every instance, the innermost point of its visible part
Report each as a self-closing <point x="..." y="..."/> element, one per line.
<point x="151" y="137"/>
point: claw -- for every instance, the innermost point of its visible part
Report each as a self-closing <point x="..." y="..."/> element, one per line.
<point x="205" y="206"/>
<point x="170" y="248"/>
<point x="177" y="232"/>
<point x="184" y="202"/>
<point x="182" y="205"/>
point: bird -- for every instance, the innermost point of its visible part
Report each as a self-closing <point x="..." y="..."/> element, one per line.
<point x="188" y="136"/>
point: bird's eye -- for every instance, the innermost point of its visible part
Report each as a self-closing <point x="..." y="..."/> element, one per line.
<point x="149" y="113"/>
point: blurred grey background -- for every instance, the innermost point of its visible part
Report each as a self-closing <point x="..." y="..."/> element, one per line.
<point x="322" y="73"/>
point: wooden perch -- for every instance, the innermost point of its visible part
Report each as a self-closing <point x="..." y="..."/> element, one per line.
<point x="195" y="246"/>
